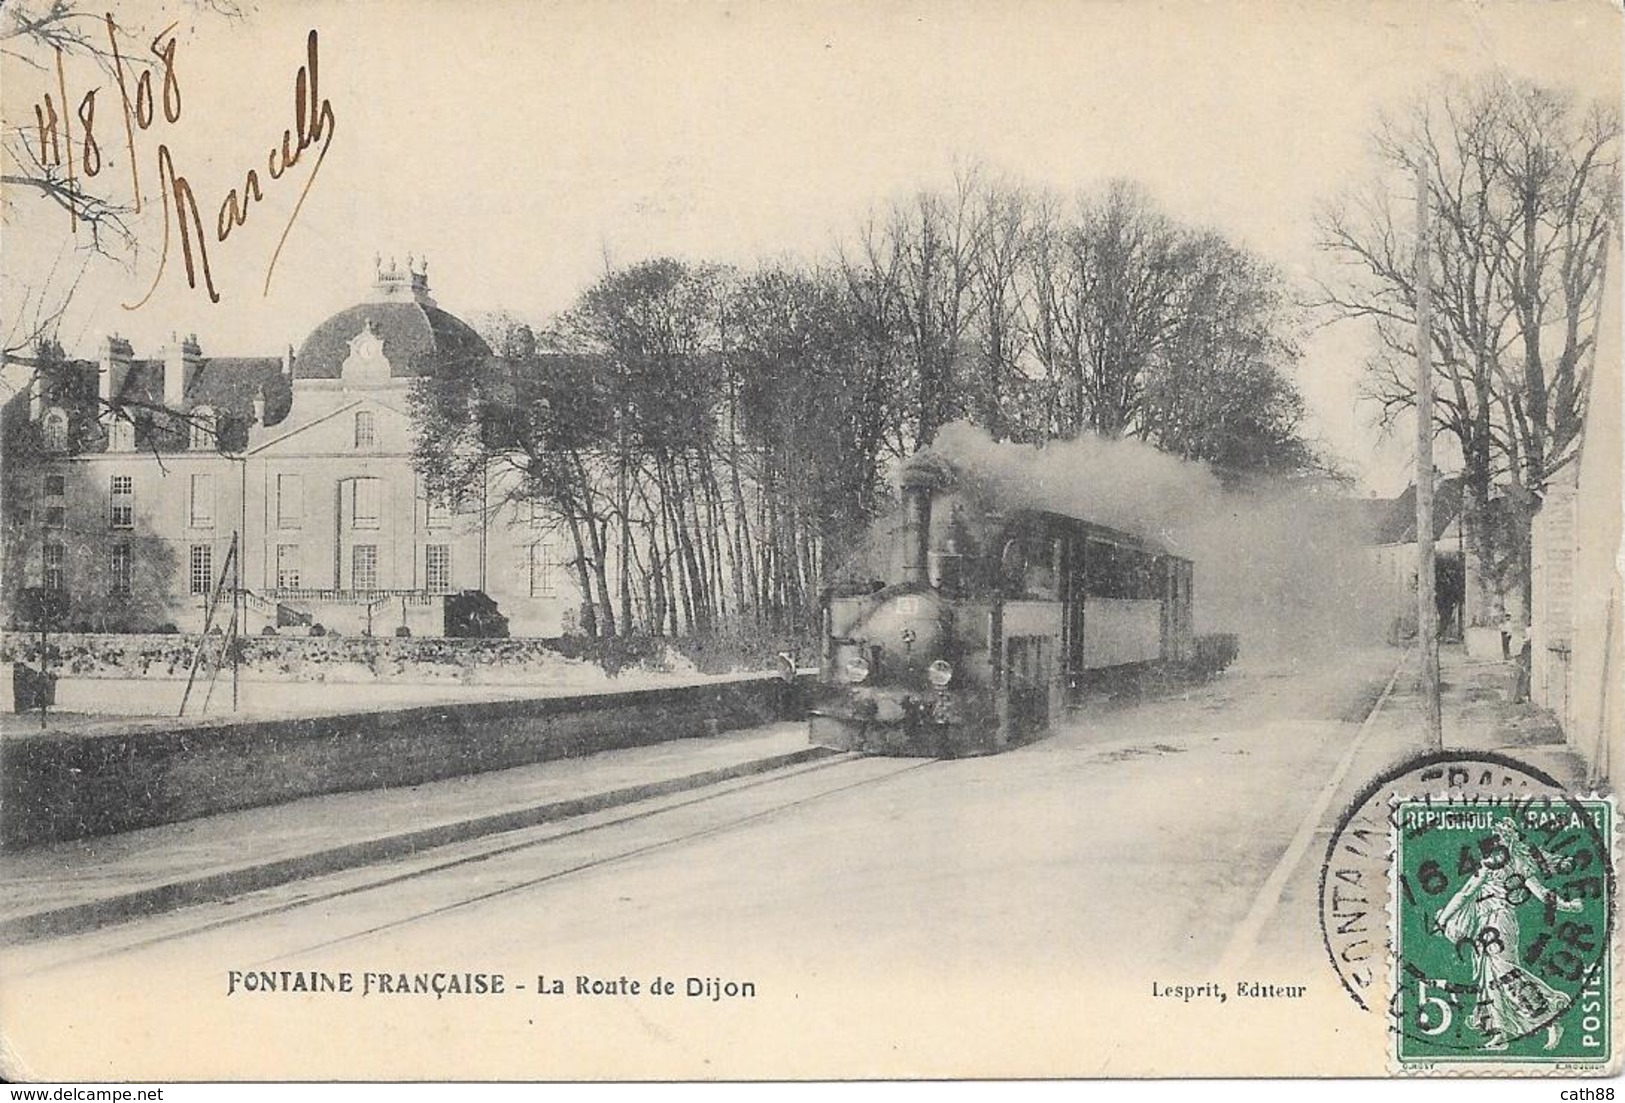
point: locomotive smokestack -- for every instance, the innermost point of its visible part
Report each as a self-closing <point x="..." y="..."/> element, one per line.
<point x="919" y="478"/>
<point x="916" y="531"/>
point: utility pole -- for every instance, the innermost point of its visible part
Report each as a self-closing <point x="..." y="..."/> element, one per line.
<point x="1427" y="609"/>
<point x="237" y="611"/>
<point x="44" y="659"/>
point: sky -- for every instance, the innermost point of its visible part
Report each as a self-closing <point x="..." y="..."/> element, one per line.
<point x="521" y="147"/>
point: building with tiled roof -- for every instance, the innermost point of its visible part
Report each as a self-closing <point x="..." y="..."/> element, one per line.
<point x="1391" y="527"/>
<point x="128" y="482"/>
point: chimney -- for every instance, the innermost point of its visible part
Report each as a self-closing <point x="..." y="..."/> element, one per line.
<point x="36" y="397"/>
<point x="182" y="359"/>
<point x="259" y="408"/>
<point x="287" y="364"/>
<point x="115" y="365"/>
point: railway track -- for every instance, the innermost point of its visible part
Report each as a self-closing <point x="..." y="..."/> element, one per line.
<point x="367" y="902"/>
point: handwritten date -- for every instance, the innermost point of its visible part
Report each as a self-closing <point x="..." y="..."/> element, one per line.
<point x="150" y="99"/>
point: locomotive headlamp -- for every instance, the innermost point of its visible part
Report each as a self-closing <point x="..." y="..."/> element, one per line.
<point x="857" y="669"/>
<point x="940" y="673"/>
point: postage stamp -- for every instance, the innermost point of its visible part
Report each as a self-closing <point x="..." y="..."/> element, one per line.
<point x="1501" y="919"/>
<point x="1355" y="875"/>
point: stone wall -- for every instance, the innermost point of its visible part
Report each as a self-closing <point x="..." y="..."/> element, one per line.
<point x="57" y="786"/>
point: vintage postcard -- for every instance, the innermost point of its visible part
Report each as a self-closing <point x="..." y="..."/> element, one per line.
<point x="713" y="541"/>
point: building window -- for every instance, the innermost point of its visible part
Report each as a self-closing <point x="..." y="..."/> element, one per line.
<point x="290" y="501"/>
<point x="367" y="501"/>
<point x="542" y="582"/>
<point x="438" y="514"/>
<point x="118" y="569"/>
<point x="437" y="568"/>
<point x="365" y="429"/>
<point x="121" y="435"/>
<point x="202" y="568"/>
<point x="364" y="567"/>
<point x="538" y="514"/>
<point x="202" y="501"/>
<point x="54" y="428"/>
<point x="287" y="566"/>
<point x="121" y="501"/>
<point x="203" y="433"/>
<point x="55" y="556"/>
<point x="56" y="486"/>
<point x="56" y="516"/>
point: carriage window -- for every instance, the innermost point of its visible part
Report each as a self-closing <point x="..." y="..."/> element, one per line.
<point x="1013" y="562"/>
<point x="1044" y="573"/>
<point x="1028" y="567"/>
<point x="1114" y="571"/>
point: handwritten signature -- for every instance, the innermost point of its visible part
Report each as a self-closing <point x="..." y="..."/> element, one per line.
<point x="152" y="98"/>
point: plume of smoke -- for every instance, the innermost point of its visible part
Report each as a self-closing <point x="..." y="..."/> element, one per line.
<point x="1288" y="569"/>
<point x="1123" y="483"/>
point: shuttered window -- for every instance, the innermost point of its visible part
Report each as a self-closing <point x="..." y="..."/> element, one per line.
<point x="368" y="502"/>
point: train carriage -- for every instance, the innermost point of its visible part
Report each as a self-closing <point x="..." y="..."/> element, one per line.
<point x="988" y="620"/>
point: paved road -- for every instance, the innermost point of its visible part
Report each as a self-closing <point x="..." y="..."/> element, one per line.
<point x="997" y="916"/>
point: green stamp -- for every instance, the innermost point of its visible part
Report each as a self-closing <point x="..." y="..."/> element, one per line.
<point x="1502" y="927"/>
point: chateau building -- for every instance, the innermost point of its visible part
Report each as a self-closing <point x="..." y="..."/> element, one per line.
<point x="128" y="483"/>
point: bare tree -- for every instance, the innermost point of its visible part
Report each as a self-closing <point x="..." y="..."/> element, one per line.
<point x="1220" y="389"/>
<point x="1524" y="182"/>
<point x="37" y="175"/>
<point x="919" y="266"/>
<point x="1108" y="302"/>
<point x="1001" y="290"/>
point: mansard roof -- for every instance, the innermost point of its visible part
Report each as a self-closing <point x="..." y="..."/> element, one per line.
<point x="228" y="385"/>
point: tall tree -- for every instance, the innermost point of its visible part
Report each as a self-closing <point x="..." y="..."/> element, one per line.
<point x="1221" y="390"/>
<point x="1138" y="325"/>
<point x="814" y="407"/>
<point x="919" y="263"/>
<point x="1524" y="183"/>
<point x="523" y="429"/>
<point x="656" y="329"/>
<point x="1109" y="281"/>
<point x="1000" y="288"/>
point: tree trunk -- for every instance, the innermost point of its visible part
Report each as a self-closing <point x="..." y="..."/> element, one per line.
<point x="741" y="526"/>
<point x="624" y="505"/>
<point x="606" y="607"/>
<point x="693" y="545"/>
<point x="716" y="535"/>
<point x="655" y="580"/>
<point x="678" y="596"/>
<point x="589" y="614"/>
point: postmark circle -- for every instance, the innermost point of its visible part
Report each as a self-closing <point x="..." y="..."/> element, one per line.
<point x="1472" y="897"/>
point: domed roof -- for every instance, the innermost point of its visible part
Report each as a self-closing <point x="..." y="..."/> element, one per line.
<point x="417" y="336"/>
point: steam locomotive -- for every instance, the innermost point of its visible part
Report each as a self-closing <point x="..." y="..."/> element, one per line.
<point x="987" y="620"/>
